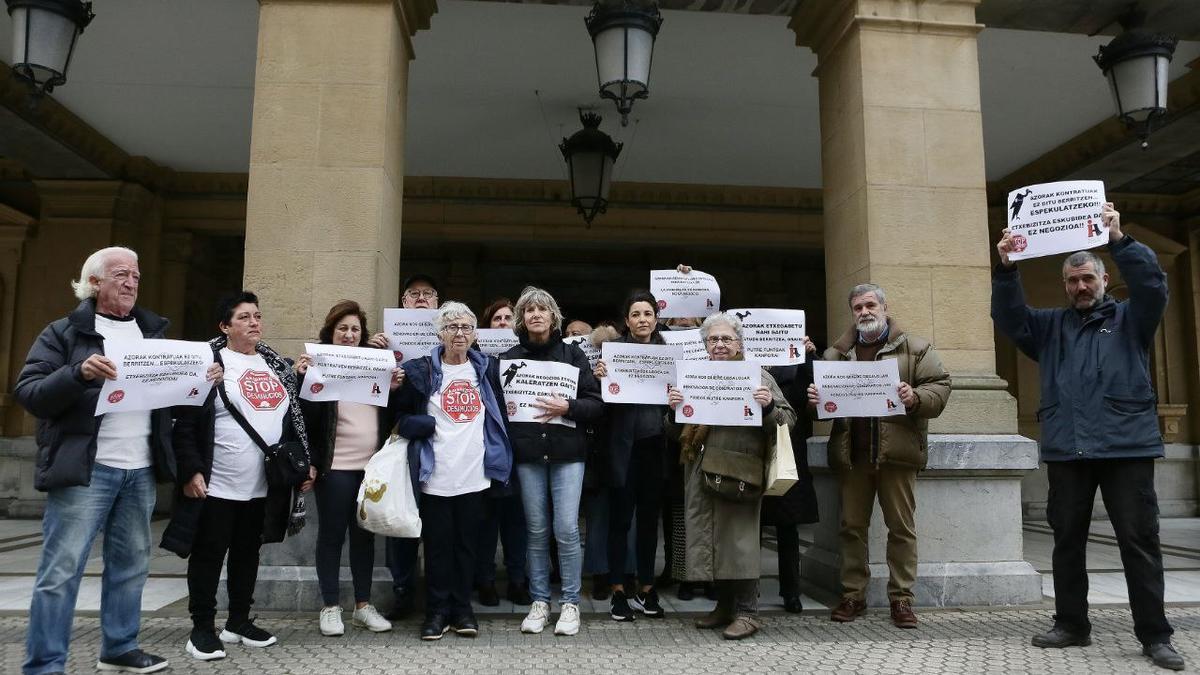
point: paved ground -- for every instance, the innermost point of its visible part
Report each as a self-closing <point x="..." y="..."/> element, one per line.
<point x="951" y="641"/>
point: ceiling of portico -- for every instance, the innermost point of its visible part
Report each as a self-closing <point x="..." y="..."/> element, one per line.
<point x="495" y="87"/>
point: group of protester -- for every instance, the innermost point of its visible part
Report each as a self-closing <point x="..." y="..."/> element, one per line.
<point x="481" y="478"/>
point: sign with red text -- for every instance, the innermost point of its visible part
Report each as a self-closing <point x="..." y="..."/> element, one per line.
<point x="718" y="392"/>
<point x="637" y="373"/>
<point x="524" y="381"/>
<point x="1054" y="218"/>
<point x="857" y="388"/>
<point x="410" y="332"/>
<point x="685" y="295"/>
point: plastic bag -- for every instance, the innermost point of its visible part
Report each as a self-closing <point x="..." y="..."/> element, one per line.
<point x="386" y="503"/>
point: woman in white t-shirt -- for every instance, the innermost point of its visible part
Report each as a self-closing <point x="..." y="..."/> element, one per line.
<point x="450" y="410"/>
<point x="342" y="437"/>
<point x="225" y="505"/>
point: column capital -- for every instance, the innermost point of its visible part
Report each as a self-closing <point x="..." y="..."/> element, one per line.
<point x="413" y="15"/>
<point x="821" y="25"/>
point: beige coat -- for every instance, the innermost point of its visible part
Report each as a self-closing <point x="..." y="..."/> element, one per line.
<point x="723" y="535"/>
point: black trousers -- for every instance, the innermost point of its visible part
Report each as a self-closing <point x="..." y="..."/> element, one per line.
<point x="450" y="528"/>
<point x="225" y="526"/>
<point x="642" y="492"/>
<point x="1127" y="488"/>
<point x="337" y="492"/>
<point x="787" y="539"/>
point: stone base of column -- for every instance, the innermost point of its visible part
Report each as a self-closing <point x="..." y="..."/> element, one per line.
<point x="294" y="588"/>
<point x="968" y="525"/>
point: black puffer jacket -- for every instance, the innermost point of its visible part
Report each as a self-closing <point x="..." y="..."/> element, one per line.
<point x="51" y="388"/>
<point x="537" y="442"/>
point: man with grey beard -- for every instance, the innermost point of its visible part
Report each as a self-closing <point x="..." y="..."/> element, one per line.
<point x="1099" y="426"/>
<point x="875" y="456"/>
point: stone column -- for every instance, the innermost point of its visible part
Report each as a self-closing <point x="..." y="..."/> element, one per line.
<point x="906" y="208"/>
<point x="324" y="197"/>
<point x="327" y="158"/>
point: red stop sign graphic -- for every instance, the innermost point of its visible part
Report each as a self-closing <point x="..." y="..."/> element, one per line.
<point x="614" y="388"/>
<point x="316" y="387"/>
<point x="461" y="401"/>
<point x="261" y="390"/>
<point x="116" y="396"/>
<point x="830" y="407"/>
<point x="688" y="411"/>
<point x="512" y="408"/>
<point x="662" y="304"/>
<point x="1019" y="243"/>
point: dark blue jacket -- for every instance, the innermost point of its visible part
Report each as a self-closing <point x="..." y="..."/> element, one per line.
<point x="1097" y="399"/>
<point x="422" y="377"/>
<point x="52" y="389"/>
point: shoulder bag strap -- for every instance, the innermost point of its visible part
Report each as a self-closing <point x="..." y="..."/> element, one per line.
<point x="241" y="419"/>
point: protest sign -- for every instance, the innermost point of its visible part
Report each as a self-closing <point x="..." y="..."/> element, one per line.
<point x="495" y="341"/>
<point x="637" y="373"/>
<point x="410" y="332"/>
<point x="155" y="374"/>
<point x="341" y="373"/>
<point x="1053" y="218"/>
<point x="857" y="388"/>
<point x="526" y="380"/>
<point x="689" y="343"/>
<point x="718" y="392"/>
<point x="772" y="337"/>
<point x="685" y="295"/>
<point x="584" y="343"/>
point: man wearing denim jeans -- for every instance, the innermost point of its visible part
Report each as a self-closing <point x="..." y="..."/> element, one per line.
<point x="98" y="471"/>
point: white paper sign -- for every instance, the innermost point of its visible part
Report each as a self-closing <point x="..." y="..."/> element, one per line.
<point x="341" y="373"/>
<point x="155" y="374"/>
<point x="584" y="343"/>
<point x="685" y="295"/>
<point x="495" y="341"/>
<point x="1053" y="218"/>
<point x="857" y="388"/>
<point x="637" y="373"/>
<point x="410" y="332"/>
<point x="773" y="337"/>
<point x="689" y="343"/>
<point x="718" y="392"/>
<point x="525" y="380"/>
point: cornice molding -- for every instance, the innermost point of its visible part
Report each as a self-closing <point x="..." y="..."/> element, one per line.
<point x="822" y="25"/>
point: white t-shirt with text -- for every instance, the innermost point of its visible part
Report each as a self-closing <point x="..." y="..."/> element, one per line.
<point x="238" y="470"/>
<point x="458" y="440"/>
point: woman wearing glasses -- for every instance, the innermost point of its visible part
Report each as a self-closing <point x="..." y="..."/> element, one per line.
<point x="450" y="409"/>
<point x="722" y="532"/>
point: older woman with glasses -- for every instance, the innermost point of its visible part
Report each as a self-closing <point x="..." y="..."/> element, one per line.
<point x="722" y="532"/>
<point x="450" y="409"/>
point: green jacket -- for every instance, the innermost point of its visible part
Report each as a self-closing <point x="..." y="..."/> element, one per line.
<point x="900" y="440"/>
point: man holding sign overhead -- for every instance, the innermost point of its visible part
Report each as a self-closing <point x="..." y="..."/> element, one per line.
<point x="1099" y="425"/>
<point x="881" y="455"/>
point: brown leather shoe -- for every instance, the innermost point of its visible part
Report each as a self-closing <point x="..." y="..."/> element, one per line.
<point x="718" y="618"/>
<point x="742" y="627"/>
<point x="902" y="614"/>
<point x="848" y="610"/>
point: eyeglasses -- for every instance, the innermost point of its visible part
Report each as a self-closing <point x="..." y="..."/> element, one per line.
<point x="456" y="329"/>
<point x="428" y="293"/>
<point x="720" y="340"/>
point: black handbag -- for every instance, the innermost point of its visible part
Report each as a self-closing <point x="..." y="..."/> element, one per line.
<point x="286" y="462"/>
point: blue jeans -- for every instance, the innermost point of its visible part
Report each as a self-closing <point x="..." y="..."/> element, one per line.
<point x="119" y="503"/>
<point x="564" y="484"/>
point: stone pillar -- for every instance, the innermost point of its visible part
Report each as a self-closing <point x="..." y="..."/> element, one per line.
<point x="327" y="158"/>
<point x="14" y="231"/>
<point x="325" y="189"/>
<point x="906" y="207"/>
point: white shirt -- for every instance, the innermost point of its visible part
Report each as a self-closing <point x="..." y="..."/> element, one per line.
<point x="238" y="469"/>
<point x="458" y="439"/>
<point x="123" y="441"/>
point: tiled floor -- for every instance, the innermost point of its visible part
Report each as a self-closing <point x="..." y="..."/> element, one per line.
<point x="20" y="550"/>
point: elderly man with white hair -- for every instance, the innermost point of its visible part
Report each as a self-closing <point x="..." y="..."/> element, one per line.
<point x="98" y="471"/>
<point x="451" y="409"/>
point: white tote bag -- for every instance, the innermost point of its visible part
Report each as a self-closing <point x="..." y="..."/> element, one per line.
<point x="386" y="503"/>
<point x="782" y="474"/>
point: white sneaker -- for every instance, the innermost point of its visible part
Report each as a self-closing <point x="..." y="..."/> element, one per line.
<point x="539" y="616"/>
<point x="331" y="621"/>
<point x="368" y="617"/>
<point x="568" y="620"/>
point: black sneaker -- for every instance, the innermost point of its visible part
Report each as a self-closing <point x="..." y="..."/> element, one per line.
<point x="465" y="625"/>
<point x="1058" y="637"/>
<point x="204" y="645"/>
<point x="1161" y="653"/>
<point x="434" y="628"/>
<point x="247" y="633"/>
<point x="518" y="594"/>
<point x="133" y="661"/>
<point x="620" y="607"/>
<point x="647" y="603"/>
<point x="488" y="597"/>
<point x="686" y="591"/>
<point x="403" y="606"/>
